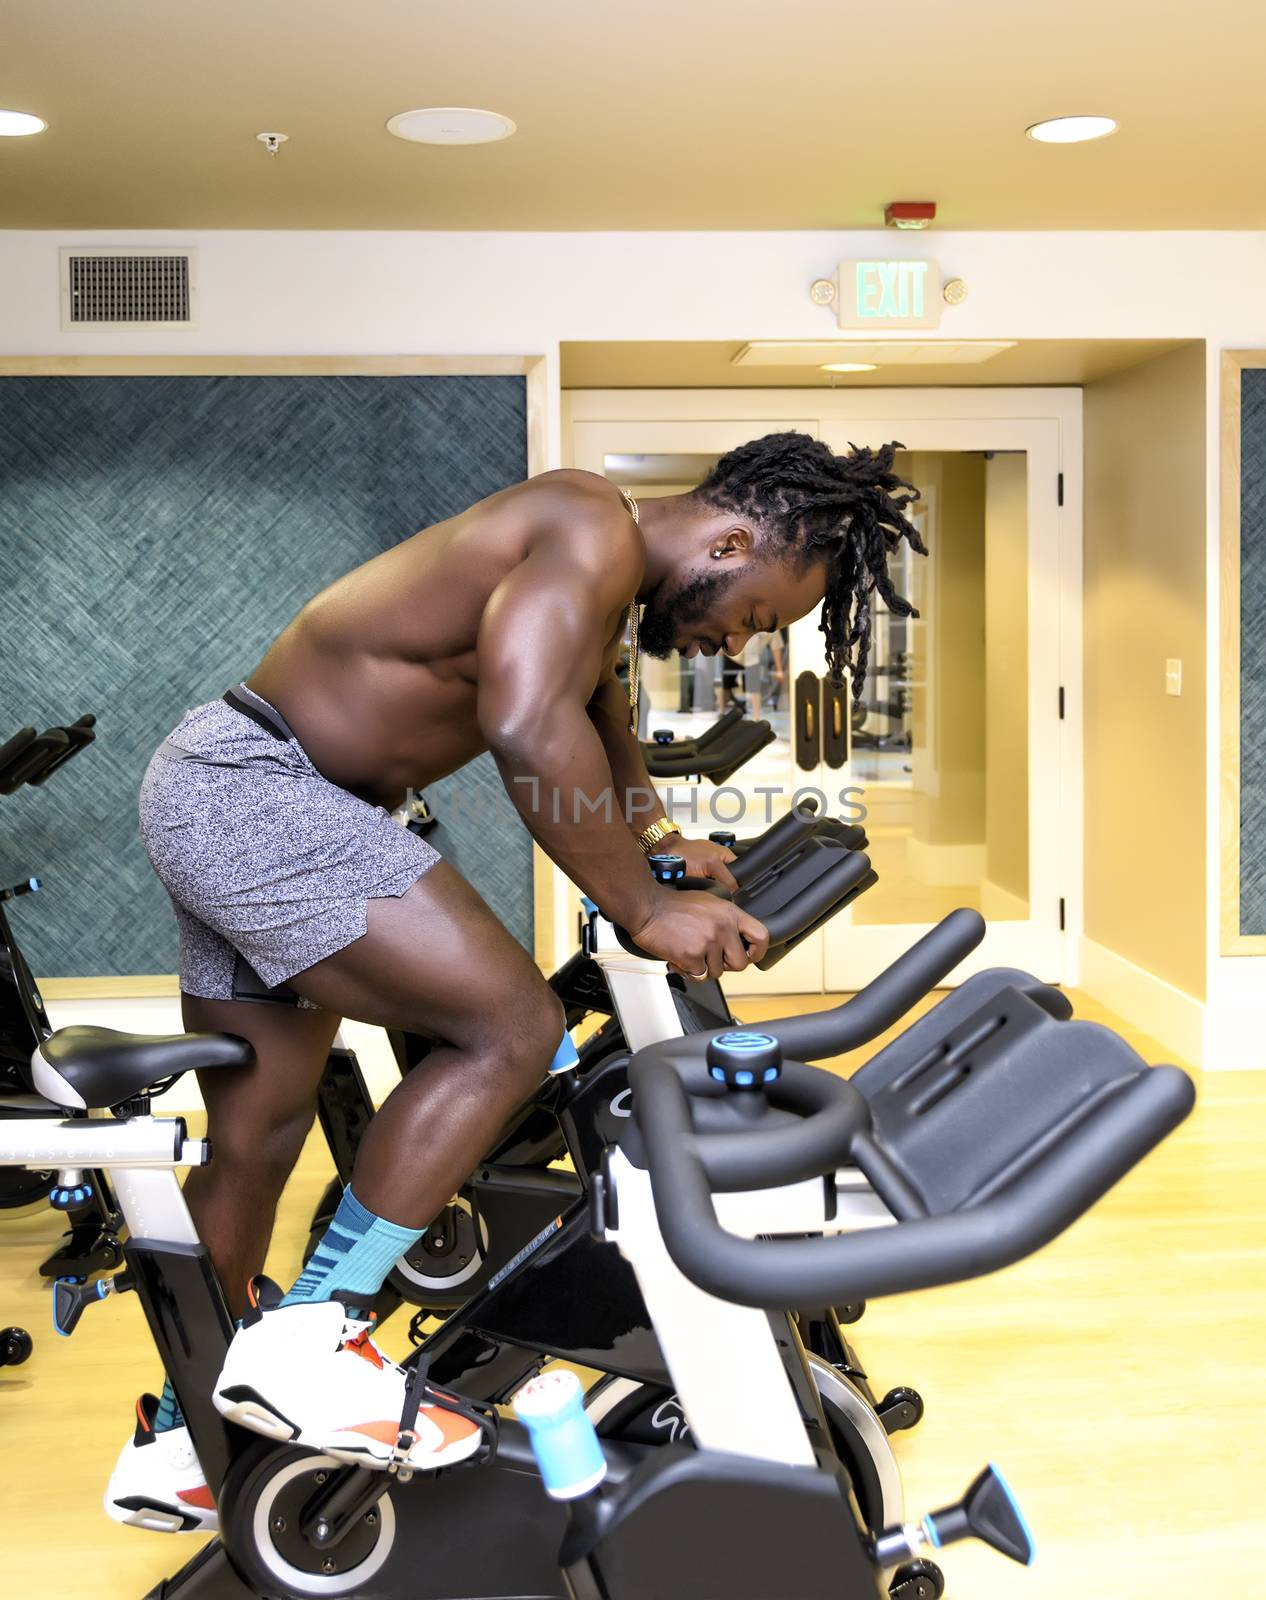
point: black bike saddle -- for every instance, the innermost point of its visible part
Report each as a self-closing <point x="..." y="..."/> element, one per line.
<point x="91" y="1068"/>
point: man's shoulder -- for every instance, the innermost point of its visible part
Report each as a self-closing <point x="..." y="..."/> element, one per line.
<point x="588" y="517"/>
<point x="587" y="489"/>
<point x="577" y="475"/>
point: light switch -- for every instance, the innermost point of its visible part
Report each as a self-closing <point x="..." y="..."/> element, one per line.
<point x="1173" y="677"/>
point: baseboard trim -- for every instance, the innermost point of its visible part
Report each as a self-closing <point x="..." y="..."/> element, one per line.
<point x="146" y="986"/>
<point x="1170" y="1015"/>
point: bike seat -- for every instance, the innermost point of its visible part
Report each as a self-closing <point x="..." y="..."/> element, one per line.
<point x="90" y="1068"/>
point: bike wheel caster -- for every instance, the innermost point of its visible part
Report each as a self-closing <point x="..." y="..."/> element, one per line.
<point x="15" y="1346"/>
<point x="917" y="1580"/>
<point x="900" y="1409"/>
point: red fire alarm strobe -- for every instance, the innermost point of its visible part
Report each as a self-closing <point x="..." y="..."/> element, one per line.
<point x="910" y="213"/>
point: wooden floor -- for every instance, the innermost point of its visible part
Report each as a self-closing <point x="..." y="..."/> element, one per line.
<point x="1117" y="1379"/>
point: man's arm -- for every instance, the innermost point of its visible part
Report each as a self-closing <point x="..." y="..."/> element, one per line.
<point x="638" y="802"/>
<point x="539" y="657"/>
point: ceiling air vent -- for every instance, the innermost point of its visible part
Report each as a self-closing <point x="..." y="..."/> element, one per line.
<point x="124" y="288"/>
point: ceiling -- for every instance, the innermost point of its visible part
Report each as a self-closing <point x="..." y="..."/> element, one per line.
<point x="669" y="114"/>
<point x="685" y="364"/>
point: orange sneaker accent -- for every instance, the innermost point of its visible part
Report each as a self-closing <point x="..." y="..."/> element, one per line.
<point x="142" y="1418"/>
<point x="386" y="1432"/>
<point x="200" y="1497"/>
<point x="361" y="1346"/>
<point x="449" y="1423"/>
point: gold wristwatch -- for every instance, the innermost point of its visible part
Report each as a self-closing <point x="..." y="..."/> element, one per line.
<point x="651" y="838"/>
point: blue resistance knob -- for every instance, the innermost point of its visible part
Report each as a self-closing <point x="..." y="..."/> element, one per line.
<point x="65" y="1198"/>
<point x="744" y="1058"/>
<point x="663" y="736"/>
<point x="723" y="837"/>
<point x="666" y="868"/>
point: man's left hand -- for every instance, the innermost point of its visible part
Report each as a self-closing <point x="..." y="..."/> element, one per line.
<point x="704" y="859"/>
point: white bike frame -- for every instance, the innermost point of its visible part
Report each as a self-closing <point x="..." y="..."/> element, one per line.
<point x="724" y="1359"/>
<point x="140" y="1155"/>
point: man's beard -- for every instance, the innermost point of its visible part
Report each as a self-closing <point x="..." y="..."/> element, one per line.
<point x="667" y="616"/>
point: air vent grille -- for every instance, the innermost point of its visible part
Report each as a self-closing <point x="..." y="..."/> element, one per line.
<point x="126" y="287"/>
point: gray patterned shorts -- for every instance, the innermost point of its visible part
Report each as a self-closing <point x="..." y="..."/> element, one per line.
<point x="270" y="867"/>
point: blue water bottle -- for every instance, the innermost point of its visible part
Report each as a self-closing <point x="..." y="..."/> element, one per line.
<point x="552" y="1409"/>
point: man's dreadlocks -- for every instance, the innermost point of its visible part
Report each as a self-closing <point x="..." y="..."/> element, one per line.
<point x="847" y="509"/>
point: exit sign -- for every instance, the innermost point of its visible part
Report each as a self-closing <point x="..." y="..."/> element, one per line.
<point x="889" y="294"/>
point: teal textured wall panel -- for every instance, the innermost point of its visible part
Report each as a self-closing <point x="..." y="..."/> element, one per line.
<point x="156" y="534"/>
<point x="1253" y="650"/>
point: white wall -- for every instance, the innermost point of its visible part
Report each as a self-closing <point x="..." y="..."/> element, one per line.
<point x="349" y="293"/>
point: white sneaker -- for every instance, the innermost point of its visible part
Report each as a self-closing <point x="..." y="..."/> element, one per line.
<point x="157" y="1482"/>
<point x="309" y="1373"/>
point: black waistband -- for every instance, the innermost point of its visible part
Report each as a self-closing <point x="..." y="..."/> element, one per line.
<point x="268" y="720"/>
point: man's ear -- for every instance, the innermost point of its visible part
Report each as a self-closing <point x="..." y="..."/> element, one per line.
<point x="735" y="541"/>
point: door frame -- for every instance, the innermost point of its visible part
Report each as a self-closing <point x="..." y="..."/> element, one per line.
<point x="859" y="951"/>
<point x="914" y="407"/>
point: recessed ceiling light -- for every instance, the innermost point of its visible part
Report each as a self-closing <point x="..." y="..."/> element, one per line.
<point x="451" y="125"/>
<point x="1071" y="130"/>
<point x="849" y="366"/>
<point x="18" y="124"/>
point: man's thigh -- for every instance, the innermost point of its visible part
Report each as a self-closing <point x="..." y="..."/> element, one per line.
<point x="433" y="960"/>
<point x="291" y="1046"/>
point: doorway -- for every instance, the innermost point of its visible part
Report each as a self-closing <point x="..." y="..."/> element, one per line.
<point x="956" y="751"/>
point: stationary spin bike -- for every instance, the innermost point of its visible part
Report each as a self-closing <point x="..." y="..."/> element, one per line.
<point x="744" y="1183"/>
<point x="84" y="1198"/>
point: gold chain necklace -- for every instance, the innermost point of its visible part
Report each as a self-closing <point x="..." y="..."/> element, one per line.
<point x="631" y="625"/>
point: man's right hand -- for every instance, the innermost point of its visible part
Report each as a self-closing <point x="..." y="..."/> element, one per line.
<point x="699" y="935"/>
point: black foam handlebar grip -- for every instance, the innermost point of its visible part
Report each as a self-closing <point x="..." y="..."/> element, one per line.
<point x="723" y="754"/>
<point x="40" y="753"/>
<point x="726" y="720"/>
<point x="10" y="752"/>
<point x="888" y="997"/>
<point x="815" y="900"/>
<point x="775" y="841"/>
<point x="674" y="747"/>
<point x="80" y="736"/>
<point x="750" y="740"/>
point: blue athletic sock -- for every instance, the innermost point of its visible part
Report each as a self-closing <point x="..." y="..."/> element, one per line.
<point x="355" y="1254"/>
<point x="169" y="1414"/>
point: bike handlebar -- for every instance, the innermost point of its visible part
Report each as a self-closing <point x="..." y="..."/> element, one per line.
<point x="775" y="842"/>
<point x="727" y="720"/>
<point x="709" y="735"/>
<point x="1066" y="1174"/>
<point x="721" y="755"/>
<point x="845" y="872"/>
<point x="31" y="758"/>
<point x="887" y="998"/>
